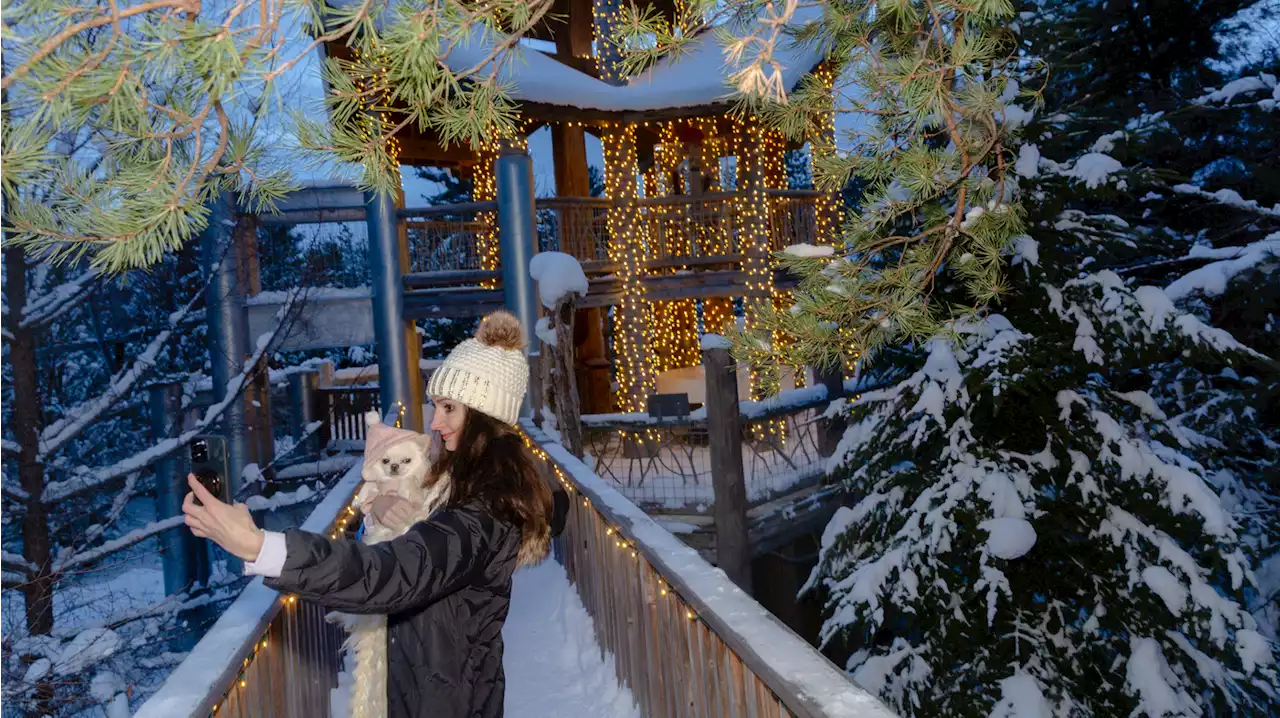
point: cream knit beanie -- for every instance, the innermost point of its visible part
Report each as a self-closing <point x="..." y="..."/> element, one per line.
<point x="488" y="373"/>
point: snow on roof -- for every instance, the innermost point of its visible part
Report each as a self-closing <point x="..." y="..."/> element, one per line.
<point x="697" y="78"/>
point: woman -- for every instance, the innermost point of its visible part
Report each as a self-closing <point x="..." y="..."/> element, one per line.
<point x="446" y="583"/>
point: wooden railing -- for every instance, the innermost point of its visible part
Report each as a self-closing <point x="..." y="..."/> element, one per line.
<point x="342" y="410"/>
<point x="685" y="639"/>
<point x="268" y="655"/>
<point x="574" y="225"/>
<point x="680" y="231"/>
<point x="784" y="443"/>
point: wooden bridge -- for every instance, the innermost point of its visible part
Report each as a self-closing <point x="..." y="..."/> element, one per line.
<point x="683" y="638"/>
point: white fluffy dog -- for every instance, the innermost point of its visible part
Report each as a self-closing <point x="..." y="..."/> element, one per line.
<point x="395" y="462"/>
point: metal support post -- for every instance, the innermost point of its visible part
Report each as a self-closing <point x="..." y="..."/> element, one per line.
<point x="398" y="382"/>
<point x="228" y="331"/>
<point x="302" y="412"/>
<point x="518" y="241"/>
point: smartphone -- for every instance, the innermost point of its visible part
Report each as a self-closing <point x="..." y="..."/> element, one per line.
<point x="205" y="467"/>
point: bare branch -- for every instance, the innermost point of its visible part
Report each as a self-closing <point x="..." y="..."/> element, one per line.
<point x="52" y="304"/>
<point x="132" y="538"/>
<point x="90" y="479"/>
<point x="59" y="433"/>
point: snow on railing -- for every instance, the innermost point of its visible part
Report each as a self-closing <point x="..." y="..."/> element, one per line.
<point x="684" y="638"/>
<point x="267" y="653"/>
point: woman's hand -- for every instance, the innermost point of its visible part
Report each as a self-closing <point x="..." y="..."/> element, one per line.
<point x="392" y="511"/>
<point x="231" y="527"/>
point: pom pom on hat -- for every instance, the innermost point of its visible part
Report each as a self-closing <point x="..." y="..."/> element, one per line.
<point x="502" y="330"/>
<point x="489" y="373"/>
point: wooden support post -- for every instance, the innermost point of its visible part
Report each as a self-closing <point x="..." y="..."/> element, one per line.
<point x="626" y="248"/>
<point x="832" y="428"/>
<point x="563" y="378"/>
<point x="724" y="433"/>
<point x="303" y="405"/>
<point x="716" y="311"/>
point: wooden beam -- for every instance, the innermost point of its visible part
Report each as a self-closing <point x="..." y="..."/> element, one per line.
<point x="724" y="434"/>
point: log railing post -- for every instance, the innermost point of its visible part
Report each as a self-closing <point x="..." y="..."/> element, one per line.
<point x="724" y="433"/>
<point x="563" y="378"/>
<point x="303" y="405"/>
<point x="832" y="428"/>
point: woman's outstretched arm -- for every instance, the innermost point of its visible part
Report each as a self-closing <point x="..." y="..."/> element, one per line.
<point x="433" y="559"/>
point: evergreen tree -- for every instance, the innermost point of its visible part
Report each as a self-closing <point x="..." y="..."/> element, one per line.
<point x="1067" y="507"/>
<point x="454" y="188"/>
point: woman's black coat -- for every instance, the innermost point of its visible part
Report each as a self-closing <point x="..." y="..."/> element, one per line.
<point x="445" y="586"/>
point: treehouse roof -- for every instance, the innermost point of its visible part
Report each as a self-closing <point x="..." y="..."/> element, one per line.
<point x="695" y="82"/>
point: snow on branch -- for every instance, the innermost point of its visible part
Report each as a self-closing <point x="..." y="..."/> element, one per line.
<point x="57" y="301"/>
<point x="12" y="490"/>
<point x="89" y="479"/>
<point x="75" y="419"/>
<point x="10" y="447"/>
<point x="133" y="537"/>
<point x="118" y="504"/>
<point x="1228" y="197"/>
<point x="14" y="562"/>
<point x="1244" y="86"/>
<point x="1211" y="280"/>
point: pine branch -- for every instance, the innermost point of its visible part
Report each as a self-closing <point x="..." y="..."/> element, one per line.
<point x="14" y="492"/>
<point x="1229" y="198"/>
<point x="76" y="419"/>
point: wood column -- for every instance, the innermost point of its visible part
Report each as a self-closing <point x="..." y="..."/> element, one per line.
<point x="724" y="434"/>
<point x="626" y="249"/>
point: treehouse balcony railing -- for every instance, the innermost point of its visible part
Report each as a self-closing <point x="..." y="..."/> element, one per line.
<point x="459" y="242"/>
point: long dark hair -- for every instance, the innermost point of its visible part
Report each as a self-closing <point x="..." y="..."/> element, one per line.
<point x="492" y="466"/>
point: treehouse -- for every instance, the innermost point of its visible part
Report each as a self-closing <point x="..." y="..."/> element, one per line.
<point x="695" y="199"/>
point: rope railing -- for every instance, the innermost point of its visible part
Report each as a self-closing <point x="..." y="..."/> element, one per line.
<point x="684" y="639"/>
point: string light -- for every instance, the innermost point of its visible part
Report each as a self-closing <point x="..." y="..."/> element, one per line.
<point x="485" y="189"/>
<point x="827" y="213"/>
<point x="621" y="543"/>
<point x="673" y="330"/>
<point x="373" y="123"/>
<point x="627" y="244"/>
<point x="286" y="602"/>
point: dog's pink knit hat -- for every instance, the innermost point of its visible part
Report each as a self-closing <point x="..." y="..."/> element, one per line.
<point x="380" y="437"/>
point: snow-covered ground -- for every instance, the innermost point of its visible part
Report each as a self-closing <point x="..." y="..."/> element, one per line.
<point x="554" y="666"/>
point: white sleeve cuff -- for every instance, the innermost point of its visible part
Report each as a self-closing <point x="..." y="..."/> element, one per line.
<point x="270" y="561"/>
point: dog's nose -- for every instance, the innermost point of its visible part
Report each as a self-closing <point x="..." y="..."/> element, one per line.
<point x="395" y="468"/>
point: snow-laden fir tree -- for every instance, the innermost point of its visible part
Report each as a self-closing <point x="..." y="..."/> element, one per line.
<point x="1067" y="506"/>
<point x="1031" y="533"/>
